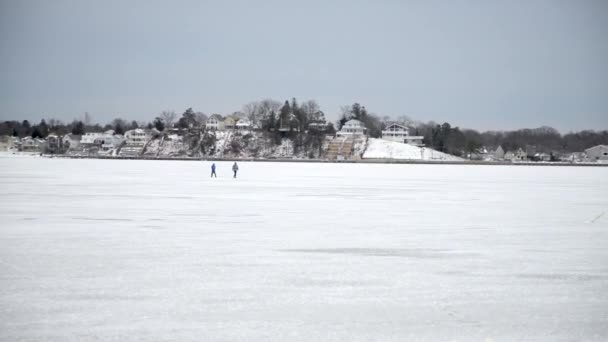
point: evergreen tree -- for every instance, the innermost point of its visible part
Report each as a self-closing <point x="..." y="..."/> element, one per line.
<point x="78" y="128"/>
<point x="26" y="129"/>
<point x="36" y="133"/>
<point x="285" y="113"/>
<point x="159" y="124"/>
<point x="43" y="128"/>
<point x="119" y="129"/>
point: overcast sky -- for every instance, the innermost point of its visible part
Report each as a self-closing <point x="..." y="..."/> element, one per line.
<point x="478" y="64"/>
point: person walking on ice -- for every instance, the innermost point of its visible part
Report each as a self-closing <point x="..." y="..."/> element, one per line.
<point x="235" y="168"/>
<point x="213" y="171"/>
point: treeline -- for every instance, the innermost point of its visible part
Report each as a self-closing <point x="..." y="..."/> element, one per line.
<point x="292" y="119"/>
<point x="545" y="139"/>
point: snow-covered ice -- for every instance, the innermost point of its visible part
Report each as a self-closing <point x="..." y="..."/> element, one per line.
<point x="116" y="250"/>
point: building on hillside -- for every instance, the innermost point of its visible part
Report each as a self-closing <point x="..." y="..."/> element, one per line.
<point x="71" y="141"/>
<point x="29" y="144"/>
<point x="597" y="153"/>
<point x="134" y="142"/>
<point x="353" y="127"/>
<point x="400" y="133"/>
<point x="229" y="123"/>
<point x="215" y="123"/>
<point x="243" y="124"/>
<point x="499" y="154"/>
<point x="320" y="125"/>
<point x="137" y="137"/>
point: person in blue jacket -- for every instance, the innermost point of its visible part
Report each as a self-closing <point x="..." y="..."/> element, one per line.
<point x="235" y="168"/>
<point x="213" y="170"/>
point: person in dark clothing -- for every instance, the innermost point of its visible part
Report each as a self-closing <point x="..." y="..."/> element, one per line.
<point x="213" y="170"/>
<point x="235" y="168"/>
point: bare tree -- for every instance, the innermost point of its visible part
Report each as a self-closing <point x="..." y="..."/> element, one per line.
<point x="405" y="120"/>
<point x="268" y="106"/>
<point x="313" y="111"/>
<point x="168" y="117"/>
<point x="252" y="110"/>
<point x="201" y="118"/>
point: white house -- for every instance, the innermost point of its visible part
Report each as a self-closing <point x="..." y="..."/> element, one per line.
<point x="215" y="123"/>
<point x="136" y="137"/>
<point x="519" y="155"/>
<point x="88" y="139"/>
<point x="597" y="153"/>
<point x="107" y="143"/>
<point x="71" y="141"/>
<point x="29" y="144"/>
<point x="135" y="140"/>
<point x="320" y="125"/>
<point x="53" y="143"/>
<point x="244" y="124"/>
<point x="352" y="127"/>
<point x="399" y="133"/>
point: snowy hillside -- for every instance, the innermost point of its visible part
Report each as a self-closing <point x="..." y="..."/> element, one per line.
<point x="384" y="149"/>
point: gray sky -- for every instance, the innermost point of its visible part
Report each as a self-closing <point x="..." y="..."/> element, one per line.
<point x="478" y="64"/>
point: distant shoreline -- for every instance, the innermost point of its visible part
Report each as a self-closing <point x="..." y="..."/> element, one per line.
<point x="325" y="161"/>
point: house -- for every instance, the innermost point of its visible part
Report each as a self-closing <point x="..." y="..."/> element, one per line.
<point x="108" y="143"/>
<point x="499" y="154"/>
<point x="8" y="143"/>
<point x="71" y="141"/>
<point x="519" y="155"/>
<point x="573" y="157"/>
<point x="399" y="133"/>
<point x="229" y="123"/>
<point x="88" y="139"/>
<point x="53" y="144"/>
<point x="134" y="142"/>
<point x="136" y="137"/>
<point x="215" y="123"/>
<point x="244" y="124"/>
<point x="352" y="127"/>
<point x="29" y="144"/>
<point x="320" y="125"/>
<point x="597" y="153"/>
<point x="541" y="156"/>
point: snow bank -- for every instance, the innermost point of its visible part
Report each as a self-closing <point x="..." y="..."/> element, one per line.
<point x="384" y="149"/>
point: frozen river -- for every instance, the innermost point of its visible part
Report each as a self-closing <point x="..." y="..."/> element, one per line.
<point x="156" y="250"/>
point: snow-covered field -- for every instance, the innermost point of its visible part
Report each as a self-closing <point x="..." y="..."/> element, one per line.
<point x="114" y="250"/>
<point x="384" y="149"/>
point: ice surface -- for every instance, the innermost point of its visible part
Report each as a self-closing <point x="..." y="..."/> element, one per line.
<point x="116" y="250"/>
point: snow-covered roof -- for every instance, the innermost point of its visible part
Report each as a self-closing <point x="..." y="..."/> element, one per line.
<point x="71" y="136"/>
<point x="598" y="147"/>
<point x="243" y="122"/>
<point x="396" y="125"/>
<point x="214" y="118"/>
<point x="353" y="122"/>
